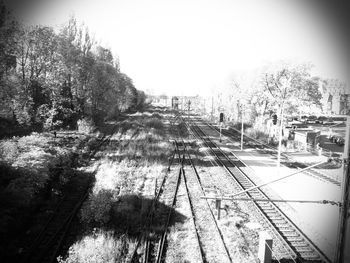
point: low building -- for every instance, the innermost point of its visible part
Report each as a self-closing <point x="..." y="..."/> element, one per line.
<point x="305" y="138"/>
<point x="335" y="97"/>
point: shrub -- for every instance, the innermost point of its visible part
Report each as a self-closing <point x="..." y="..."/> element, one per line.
<point x="154" y="123"/>
<point x="100" y="246"/>
<point x="86" y="125"/>
<point x="34" y="139"/>
<point x="26" y="186"/>
<point x="182" y="128"/>
<point x="156" y="115"/>
<point x="97" y="209"/>
<point x="238" y="125"/>
<point x="9" y="150"/>
<point x="125" y="126"/>
<point x="24" y="112"/>
<point x="256" y="134"/>
<point x="92" y="143"/>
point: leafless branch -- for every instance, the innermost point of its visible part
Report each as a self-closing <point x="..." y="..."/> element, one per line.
<point x="267" y="85"/>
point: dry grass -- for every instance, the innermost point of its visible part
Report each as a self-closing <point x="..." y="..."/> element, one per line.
<point x="256" y="134"/>
<point x="126" y="176"/>
<point x="124" y="183"/>
<point x="115" y="180"/>
<point x="100" y="246"/>
<point x="154" y="123"/>
<point x="32" y="156"/>
<point x="34" y="170"/>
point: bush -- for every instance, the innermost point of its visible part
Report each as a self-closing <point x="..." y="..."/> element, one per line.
<point x="9" y="150"/>
<point x="23" y="113"/>
<point x="92" y="144"/>
<point x="25" y="186"/>
<point x="238" y="126"/>
<point x="100" y="246"/>
<point x="34" y="139"/>
<point x="98" y="208"/>
<point x="182" y="128"/>
<point x="258" y="135"/>
<point x="154" y="123"/>
<point x="156" y="115"/>
<point x="86" y="125"/>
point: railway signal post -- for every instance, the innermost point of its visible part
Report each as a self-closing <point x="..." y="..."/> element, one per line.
<point x="242" y="102"/>
<point x="242" y="131"/>
<point x="280" y="128"/>
<point x="221" y="121"/>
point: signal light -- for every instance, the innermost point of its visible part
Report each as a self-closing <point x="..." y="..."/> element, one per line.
<point x="274" y="119"/>
<point x="221" y="117"/>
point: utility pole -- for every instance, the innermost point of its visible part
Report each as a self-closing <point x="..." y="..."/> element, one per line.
<point x="204" y="109"/>
<point x="280" y="137"/>
<point x="221" y="119"/>
<point x="212" y="107"/>
<point x="343" y="235"/>
<point x="189" y="107"/>
<point x="242" y="127"/>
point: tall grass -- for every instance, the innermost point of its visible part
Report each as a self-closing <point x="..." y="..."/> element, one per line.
<point x="100" y="246"/>
<point x="256" y="134"/>
<point x="114" y="180"/>
<point x="154" y="123"/>
<point x="124" y="185"/>
<point x="8" y="150"/>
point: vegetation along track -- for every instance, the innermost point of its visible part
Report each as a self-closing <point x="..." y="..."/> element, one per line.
<point x="154" y="241"/>
<point x="47" y="244"/>
<point x="210" y="242"/>
<point x="250" y="142"/>
<point x="283" y="229"/>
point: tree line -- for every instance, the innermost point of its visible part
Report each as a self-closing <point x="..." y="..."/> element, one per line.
<point x="52" y="79"/>
<point x="273" y="89"/>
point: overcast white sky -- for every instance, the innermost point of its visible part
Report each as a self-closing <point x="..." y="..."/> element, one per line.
<point x="193" y="46"/>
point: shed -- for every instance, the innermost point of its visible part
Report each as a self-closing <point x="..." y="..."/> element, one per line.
<point x="307" y="138"/>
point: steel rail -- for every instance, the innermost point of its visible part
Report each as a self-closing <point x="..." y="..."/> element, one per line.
<point x="312" y="172"/>
<point x="148" y="247"/>
<point x="150" y="217"/>
<point x="186" y="152"/>
<point x="277" y="235"/>
<point x="211" y="211"/>
<point x="299" y="253"/>
<point x="201" y="251"/>
<point x="160" y="253"/>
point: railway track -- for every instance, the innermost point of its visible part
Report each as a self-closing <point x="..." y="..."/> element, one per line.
<point x="151" y="243"/>
<point x="48" y="242"/>
<point x="297" y="246"/>
<point x="233" y="134"/>
<point x="211" y="245"/>
<point x="209" y="235"/>
<point x="46" y="246"/>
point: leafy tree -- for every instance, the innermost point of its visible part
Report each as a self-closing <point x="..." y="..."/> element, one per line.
<point x="290" y="87"/>
<point x="128" y="91"/>
<point x="8" y="42"/>
<point x="141" y="99"/>
<point x="55" y="79"/>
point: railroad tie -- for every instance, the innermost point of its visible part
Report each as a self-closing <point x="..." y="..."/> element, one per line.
<point x="310" y="256"/>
